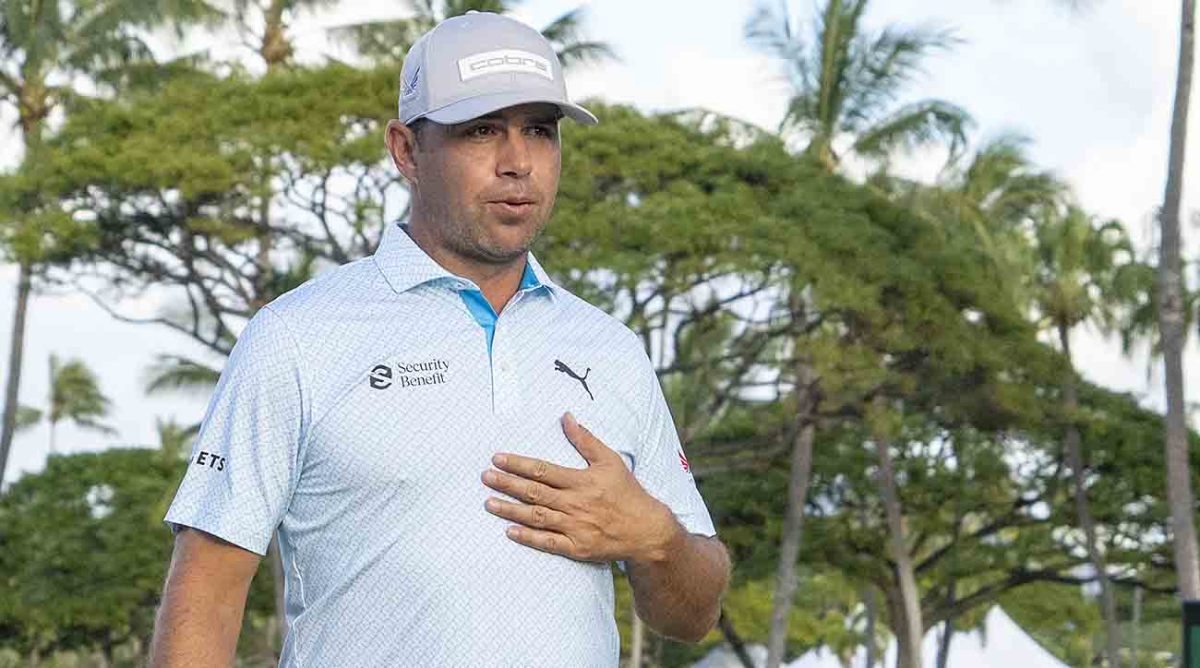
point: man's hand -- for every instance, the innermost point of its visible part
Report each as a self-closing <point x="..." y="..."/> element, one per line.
<point x="600" y="513"/>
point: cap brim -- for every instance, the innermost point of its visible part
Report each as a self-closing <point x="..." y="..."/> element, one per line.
<point x="481" y="105"/>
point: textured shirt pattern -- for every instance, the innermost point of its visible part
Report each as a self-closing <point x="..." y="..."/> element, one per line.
<point x="356" y="414"/>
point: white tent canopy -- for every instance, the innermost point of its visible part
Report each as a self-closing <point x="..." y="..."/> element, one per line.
<point x="1002" y="644"/>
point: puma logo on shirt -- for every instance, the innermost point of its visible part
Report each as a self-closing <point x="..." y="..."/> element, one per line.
<point x="559" y="366"/>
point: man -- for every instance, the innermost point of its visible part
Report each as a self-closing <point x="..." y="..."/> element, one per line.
<point x="452" y="447"/>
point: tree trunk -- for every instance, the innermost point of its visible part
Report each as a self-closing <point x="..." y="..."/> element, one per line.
<point x="106" y="652"/>
<point x="1137" y="624"/>
<point x="276" y="48"/>
<point x="51" y="413"/>
<point x="1083" y="510"/>
<point x="943" y="655"/>
<point x="894" y="602"/>
<point x="872" y="606"/>
<point x="735" y="641"/>
<point x="15" y="352"/>
<point x="1171" y="325"/>
<point x="136" y="649"/>
<point x="909" y="628"/>
<point x="793" y="522"/>
<point x="637" y="640"/>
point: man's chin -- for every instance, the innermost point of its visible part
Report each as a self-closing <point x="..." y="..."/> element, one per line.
<point x="501" y="251"/>
<point x="509" y="241"/>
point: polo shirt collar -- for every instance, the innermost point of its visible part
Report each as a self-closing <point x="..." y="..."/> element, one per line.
<point x="405" y="266"/>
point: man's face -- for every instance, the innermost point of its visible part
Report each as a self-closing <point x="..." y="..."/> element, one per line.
<point x="487" y="186"/>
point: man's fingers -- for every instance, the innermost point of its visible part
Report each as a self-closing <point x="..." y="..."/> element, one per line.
<point x="592" y="449"/>
<point x="537" y="469"/>
<point x="546" y="541"/>
<point x="529" y="491"/>
<point x="534" y="517"/>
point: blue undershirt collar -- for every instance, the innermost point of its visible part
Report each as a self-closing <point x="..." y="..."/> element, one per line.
<point x="481" y="309"/>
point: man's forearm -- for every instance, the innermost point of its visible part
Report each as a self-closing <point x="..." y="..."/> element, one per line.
<point x="195" y="628"/>
<point x="678" y="592"/>
<point x="188" y="633"/>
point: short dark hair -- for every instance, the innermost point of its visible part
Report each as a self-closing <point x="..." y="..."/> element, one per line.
<point x="418" y="126"/>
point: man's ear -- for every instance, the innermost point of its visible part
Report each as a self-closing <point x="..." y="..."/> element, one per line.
<point x="402" y="144"/>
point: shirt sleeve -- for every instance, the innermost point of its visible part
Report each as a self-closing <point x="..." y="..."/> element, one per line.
<point x="663" y="469"/>
<point x="244" y="462"/>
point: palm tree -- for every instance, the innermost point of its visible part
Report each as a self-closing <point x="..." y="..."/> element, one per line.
<point x="909" y="627"/>
<point x="996" y="193"/>
<point x="176" y="372"/>
<point x="1181" y="498"/>
<point x="45" y="47"/>
<point x="75" y="395"/>
<point x="846" y="87"/>
<point x="1077" y="280"/>
<point x="263" y="24"/>
<point x="388" y="41"/>
<point x="846" y="83"/>
<point x="174" y="439"/>
<point x="27" y="416"/>
<point x="1171" y="304"/>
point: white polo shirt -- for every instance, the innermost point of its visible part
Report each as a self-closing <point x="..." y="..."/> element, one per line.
<point x="356" y="415"/>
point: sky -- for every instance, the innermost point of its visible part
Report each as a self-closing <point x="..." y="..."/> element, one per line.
<point x="1092" y="91"/>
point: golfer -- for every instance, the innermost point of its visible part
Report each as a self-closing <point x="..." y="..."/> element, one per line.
<point x="452" y="448"/>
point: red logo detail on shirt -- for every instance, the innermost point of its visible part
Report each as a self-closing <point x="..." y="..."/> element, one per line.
<point x="684" y="462"/>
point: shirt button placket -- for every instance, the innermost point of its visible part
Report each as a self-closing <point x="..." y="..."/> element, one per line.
<point x="500" y="370"/>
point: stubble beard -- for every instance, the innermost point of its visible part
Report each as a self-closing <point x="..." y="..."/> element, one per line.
<point x="469" y="240"/>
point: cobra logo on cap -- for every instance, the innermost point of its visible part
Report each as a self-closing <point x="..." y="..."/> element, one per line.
<point x="504" y="60"/>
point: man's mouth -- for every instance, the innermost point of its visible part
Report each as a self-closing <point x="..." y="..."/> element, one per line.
<point x="515" y="205"/>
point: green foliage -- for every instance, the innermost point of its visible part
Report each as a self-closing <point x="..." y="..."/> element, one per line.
<point x="217" y="127"/>
<point x="27" y="416"/>
<point x="566" y="34"/>
<point x="33" y="231"/>
<point x="1059" y="617"/>
<point x="190" y="219"/>
<point x="1078" y="269"/>
<point x="175" y="372"/>
<point x="389" y="40"/>
<point x="640" y="192"/>
<point x="75" y="395"/>
<point x="84" y="551"/>
<point x="997" y="192"/>
<point x="847" y="82"/>
<point x="100" y="39"/>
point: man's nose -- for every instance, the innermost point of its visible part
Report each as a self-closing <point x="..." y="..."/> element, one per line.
<point x="514" y="159"/>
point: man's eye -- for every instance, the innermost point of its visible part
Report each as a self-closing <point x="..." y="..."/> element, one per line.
<point x="543" y="131"/>
<point x="479" y="131"/>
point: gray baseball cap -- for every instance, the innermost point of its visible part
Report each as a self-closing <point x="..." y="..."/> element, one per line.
<point x="471" y="65"/>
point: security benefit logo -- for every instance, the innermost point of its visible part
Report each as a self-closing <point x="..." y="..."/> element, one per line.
<point x="409" y="374"/>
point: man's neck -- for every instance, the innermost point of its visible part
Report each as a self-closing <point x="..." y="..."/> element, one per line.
<point x="498" y="282"/>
